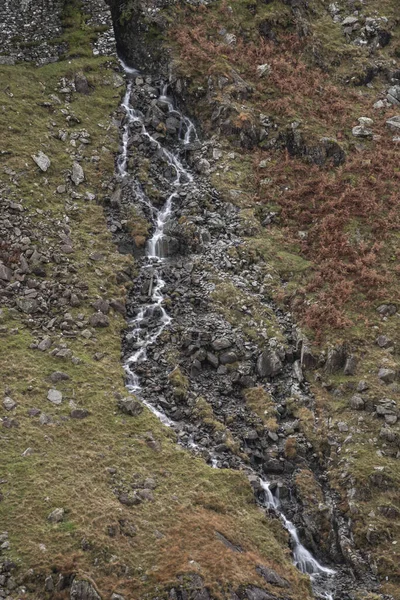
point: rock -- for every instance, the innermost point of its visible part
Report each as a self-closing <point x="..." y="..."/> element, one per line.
<point x="44" y="344"/>
<point x="81" y="84"/>
<point x="393" y="95"/>
<point x="269" y="364"/>
<point x="9" y="403"/>
<point x="264" y="70"/>
<point x="387" y="375"/>
<point x="118" y="306"/>
<point x="56" y="516"/>
<point x="361" y="131"/>
<point x="221" y="344"/>
<point x="58" y="376"/>
<point x="54" y="396"/>
<point x="365" y="121"/>
<point x="336" y="360"/>
<point x="350" y="21"/>
<point x="77" y="175"/>
<point x="350" y="365"/>
<point x="383" y="341"/>
<point x="117" y="597"/>
<point x="79" y="413"/>
<point x="212" y="359"/>
<point x="99" y="320"/>
<point x="42" y="161"/>
<point x="357" y="402"/>
<point x="49" y="584"/>
<point x="45" y="419"/>
<point x="271" y="577"/>
<point x="130" y="406"/>
<point x="129" y="499"/>
<point x="227" y="358"/>
<point x="102" y="306"/>
<point x="387" y="310"/>
<point x="394" y="123"/>
<point x="297" y="371"/>
<point x="27" y="305"/>
<point x="342" y="426"/>
<point x="5" y="273"/>
<point x="307" y="359"/>
<point x="83" y="590"/>
<point x="362" y="386"/>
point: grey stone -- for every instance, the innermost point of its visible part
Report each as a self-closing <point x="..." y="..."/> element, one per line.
<point x="77" y="176"/>
<point x="393" y="94"/>
<point x="227" y="358"/>
<point x="350" y="365"/>
<point x="44" y="344"/>
<point x="81" y="84"/>
<point x="336" y="360"/>
<point x="221" y="344"/>
<point x="361" y="131"/>
<point x="383" y="341"/>
<point x="27" y="305"/>
<point x="271" y="576"/>
<point x="349" y="21"/>
<point x="42" y="160"/>
<point x="79" y="413"/>
<point x="362" y="386"/>
<point x="54" y="396"/>
<point x="56" y="516"/>
<point x="99" y="320"/>
<point x="58" y="376"/>
<point x="130" y="406"/>
<point x="387" y="375"/>
<point x="81" y="589"/>
<point x="269" y="364"/>
<point x="387" y="310"/>
<point x="357" y="402"/>
<point x="5" y="273"/>
<point x="49" y="584"/>
<point x="394" y="123"/>
<point x="9" y="403"/>
<point x="307" y="359"/>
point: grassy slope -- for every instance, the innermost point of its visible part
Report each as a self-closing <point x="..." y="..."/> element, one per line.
<point x="331" y="254"/>
<point x="70" y="459"/>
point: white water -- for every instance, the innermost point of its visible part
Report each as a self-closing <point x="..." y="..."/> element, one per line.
<point x="154" y="310"/>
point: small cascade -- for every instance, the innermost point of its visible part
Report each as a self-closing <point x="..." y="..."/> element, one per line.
<point x="152" y="319"/>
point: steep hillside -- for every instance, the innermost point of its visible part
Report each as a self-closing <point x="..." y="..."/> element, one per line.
<point x="214" y="224"/>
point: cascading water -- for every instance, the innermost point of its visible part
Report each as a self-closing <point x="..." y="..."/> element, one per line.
<point x="144" y="337"/>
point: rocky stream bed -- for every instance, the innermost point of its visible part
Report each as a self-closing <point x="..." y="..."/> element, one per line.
<point x="193" y="368"/>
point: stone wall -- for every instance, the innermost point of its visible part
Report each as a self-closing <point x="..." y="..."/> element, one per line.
<point x="30" y="29"/>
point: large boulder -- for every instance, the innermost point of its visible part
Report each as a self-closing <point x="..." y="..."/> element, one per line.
<point x="269" y="364"/>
